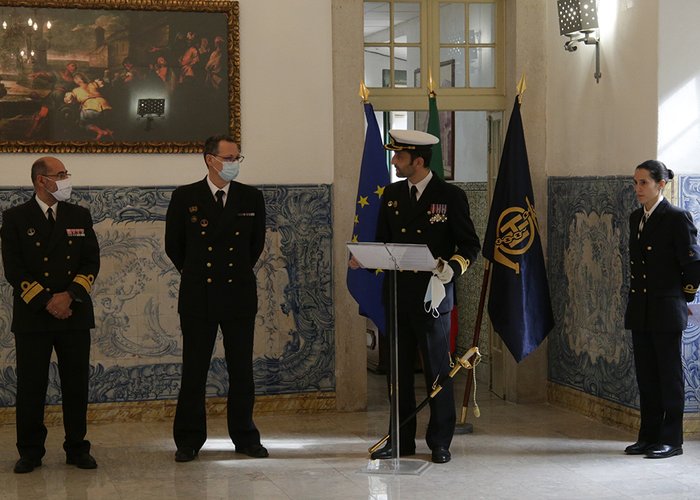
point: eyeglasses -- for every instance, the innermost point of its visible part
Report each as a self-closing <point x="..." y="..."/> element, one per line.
<point x="238" y="158"/>
<point x="60" y="176"/>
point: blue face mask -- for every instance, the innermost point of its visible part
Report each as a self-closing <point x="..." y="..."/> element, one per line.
<point x="229" y="170"/>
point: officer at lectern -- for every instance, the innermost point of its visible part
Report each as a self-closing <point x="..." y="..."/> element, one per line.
<point x="424" y="209"/>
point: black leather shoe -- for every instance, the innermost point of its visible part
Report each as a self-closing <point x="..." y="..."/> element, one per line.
<point x="82" y="461"/>
<point x="638" y="448"/>
<point x="385" y="453"/>
<point x="185" y="454"/>
<point x="664" y="451"/>
<point x="25" y="465"/>
<point x="254" y="450"/>
<point x="441" y="455"/>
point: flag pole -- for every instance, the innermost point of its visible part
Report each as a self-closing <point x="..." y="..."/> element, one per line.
<point x="364" y="92"/>
<point x="521" y="87"/>
<point x="434" y="128"/>
<point x="463" y="427"/>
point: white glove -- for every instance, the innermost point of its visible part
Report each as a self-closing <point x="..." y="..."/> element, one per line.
<point x="443" y="271"/>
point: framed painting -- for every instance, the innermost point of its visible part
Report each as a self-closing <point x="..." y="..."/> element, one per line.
<point x="447" y="118"/>
<point x="118" y="76"/>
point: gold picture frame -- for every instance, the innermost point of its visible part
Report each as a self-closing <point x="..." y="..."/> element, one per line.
<point x="117" y="76"/>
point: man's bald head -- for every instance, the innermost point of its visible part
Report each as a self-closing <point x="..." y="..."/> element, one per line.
<point x="44" y="166"/>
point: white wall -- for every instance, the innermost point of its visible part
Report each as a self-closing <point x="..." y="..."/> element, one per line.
<point x="286" y="101"/>
<point x="679" y="85"/>
<point x="610" y="127"/>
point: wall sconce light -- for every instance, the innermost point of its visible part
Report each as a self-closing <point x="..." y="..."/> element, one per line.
<point x="578" y="20"/>
<point x="150" y="108"/>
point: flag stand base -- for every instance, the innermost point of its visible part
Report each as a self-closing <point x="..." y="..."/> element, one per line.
<point x="465" y="428"/>
<point x="398" y="466"/>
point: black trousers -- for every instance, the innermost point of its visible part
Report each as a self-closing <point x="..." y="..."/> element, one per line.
<point x="33" y="358"/>
<point x="432" y="338"/>
<point x="198" y="337"/>
<point x="657" y="360"/>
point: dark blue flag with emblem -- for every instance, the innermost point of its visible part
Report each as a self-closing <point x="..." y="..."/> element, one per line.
<point x="365" y="285"/>
<point x="519" y="304"/>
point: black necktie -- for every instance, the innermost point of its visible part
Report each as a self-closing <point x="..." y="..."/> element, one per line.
<point x="220" y="199"/>
<point x="641" y="225"/>
<point x="50" y="218"/>
<point x="414" y="196"/>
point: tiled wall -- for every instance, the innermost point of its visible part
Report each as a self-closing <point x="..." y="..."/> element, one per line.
<point x="136" y="346"/>
<point x="469" y="285"/>
<point x="588" y="234"/>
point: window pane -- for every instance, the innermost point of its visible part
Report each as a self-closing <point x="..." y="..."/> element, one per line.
<point x="452" y="63"/>
<point x="402" y="120"/>
<point x="463" y="139"/>
<point x="467" y="153"/>
<point x="481" y="23"/>
<point x="376" y="61"/>
<point x="406" y="62"/>
<point x="377" y="22"/>
<point x="406" y="22"/>
<point x="452" y="23"/>
<point x="448" y="73"/>
<point x="446" y="78"/>
<point x="481" y="67"/>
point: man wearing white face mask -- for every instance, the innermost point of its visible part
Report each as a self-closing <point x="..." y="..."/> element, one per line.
<point x="214" y="235"/>
<point x="51" y="258"/>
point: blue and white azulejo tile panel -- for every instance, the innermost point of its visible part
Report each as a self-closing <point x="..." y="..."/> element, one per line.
<point x="588" y="262"/>
<point x="136" y="346"/>
<point x="689" y="199"/>
<point x="587" y="240"/>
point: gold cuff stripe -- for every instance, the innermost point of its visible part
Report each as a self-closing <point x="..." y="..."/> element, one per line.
<point x="30" y="290"/>
<point x="84" y="281"/>
<point x="690" y="289"/>
<point x="463" y="263"/>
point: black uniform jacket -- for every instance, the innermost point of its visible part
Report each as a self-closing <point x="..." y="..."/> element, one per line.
<point x="215" y="252"/>
<point x="440" y="220"/>
<point x="664" y="268"/>
<point x="39" y="262"/>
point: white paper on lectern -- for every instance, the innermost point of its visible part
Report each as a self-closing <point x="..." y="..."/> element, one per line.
<point x="412" y="257"/>
<point x="408" y="257"/>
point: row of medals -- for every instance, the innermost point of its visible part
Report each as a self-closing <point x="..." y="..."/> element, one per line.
<point x="437" y="212"/>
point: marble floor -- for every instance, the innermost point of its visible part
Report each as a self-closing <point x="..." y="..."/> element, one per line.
<point x="516" y="451"/>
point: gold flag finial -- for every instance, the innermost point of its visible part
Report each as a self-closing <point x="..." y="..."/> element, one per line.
<point x="364" y="92"/>
<point x="522" y="86"/>
<point x="431" y="90"/>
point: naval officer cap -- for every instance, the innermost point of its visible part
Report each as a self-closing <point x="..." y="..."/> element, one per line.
<point x="401" y="140"/>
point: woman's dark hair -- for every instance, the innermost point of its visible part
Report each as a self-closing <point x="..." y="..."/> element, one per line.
<point x="657" y="170"/>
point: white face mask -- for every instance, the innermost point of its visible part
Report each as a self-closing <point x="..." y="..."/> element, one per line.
<point x="434" y="296"/>
<point x="63" y="190"/>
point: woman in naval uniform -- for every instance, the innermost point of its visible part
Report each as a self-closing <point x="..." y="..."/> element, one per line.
<point x="664" y="275"/>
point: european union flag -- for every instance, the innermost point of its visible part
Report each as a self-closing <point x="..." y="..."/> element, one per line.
<point x="365" y="285"/>
<point x="519" y="304"/>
